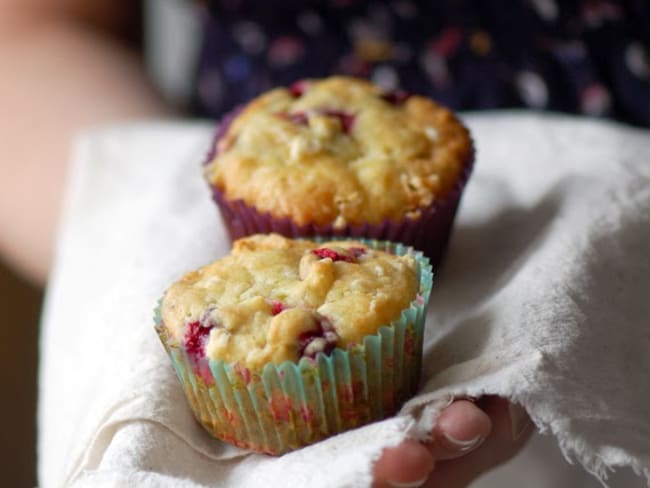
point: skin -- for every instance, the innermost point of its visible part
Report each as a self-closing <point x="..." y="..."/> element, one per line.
<point x="101" y="81"/>
<point x="441" y="463"/>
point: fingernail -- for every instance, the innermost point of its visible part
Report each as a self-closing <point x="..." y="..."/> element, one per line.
<point x="463" y="446"/>
<point x="519" y="420"/>
<point x="411" y="484"/>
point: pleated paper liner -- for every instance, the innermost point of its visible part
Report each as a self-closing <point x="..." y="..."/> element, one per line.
<point x="287" y="406"/>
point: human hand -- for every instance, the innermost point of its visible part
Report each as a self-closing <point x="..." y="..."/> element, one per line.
<point x="468" y="440"/>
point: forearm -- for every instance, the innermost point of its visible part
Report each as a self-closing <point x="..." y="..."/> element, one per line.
<point x="57" y="78"/>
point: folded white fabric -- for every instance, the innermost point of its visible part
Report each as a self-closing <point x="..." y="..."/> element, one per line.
<point x="544" y="298"/>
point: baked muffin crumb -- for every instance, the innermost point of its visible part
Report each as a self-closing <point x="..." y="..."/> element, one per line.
<point x="275" y="299"/>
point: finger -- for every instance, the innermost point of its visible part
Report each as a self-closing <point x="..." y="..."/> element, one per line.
<point x="460" y="428"/>
<point x="503" y="443"/>
<point x="406" y="465"/>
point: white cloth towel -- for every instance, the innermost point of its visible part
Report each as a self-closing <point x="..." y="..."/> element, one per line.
<point x="544" y="298"/>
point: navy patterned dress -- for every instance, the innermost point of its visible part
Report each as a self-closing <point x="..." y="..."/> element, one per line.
<point x="588" y="56"/>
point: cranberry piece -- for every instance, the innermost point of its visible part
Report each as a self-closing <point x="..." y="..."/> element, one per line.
<point x="277" y="307"/>
<point x="346" y="119"/>
<point x="357" y="252"/>
<point x="195" y="339"/>
<point x="396" y="97"/>
<point x="298" y="88"/>
<point x="325" y="252"/>
<point x="322" y="339"/>
<point x="299" y="118"/>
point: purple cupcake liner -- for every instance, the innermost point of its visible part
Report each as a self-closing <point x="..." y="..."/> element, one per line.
<point x="221" y="130"/>
<point x="428" y="233"/>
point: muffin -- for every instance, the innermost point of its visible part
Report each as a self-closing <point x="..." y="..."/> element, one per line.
<point x="342" y="157"/>
<point x="285" y="342"/>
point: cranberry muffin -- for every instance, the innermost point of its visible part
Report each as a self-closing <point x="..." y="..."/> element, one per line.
<point x="340" y="156"/>
<point x="284" y="342"/>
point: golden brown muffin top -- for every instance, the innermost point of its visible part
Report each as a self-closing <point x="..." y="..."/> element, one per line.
<point x="274" y="299"/>
<point x="340" y="151"/>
